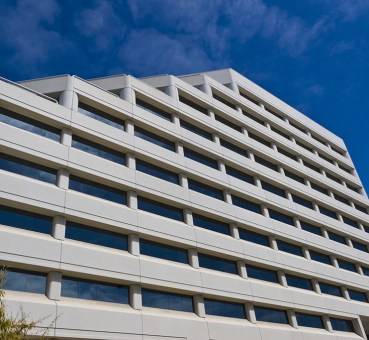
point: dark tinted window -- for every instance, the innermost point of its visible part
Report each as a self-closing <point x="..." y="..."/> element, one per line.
<point x="251" y="116"/>
<point x="359" y="246"/>
<point x="302" y="201"/>
<point x="273" y="189"/>
<point x="309" y="320"/>
<point x="342" y="199"/>
<point x="228" y="123"/>
<point x="262" y="274"/>
<point x="205" y="189"/>
<point x="278" y="216"/>
<point x="337" y="238"/>
<point x="319" y="188"/>
<point x="350" y="222"/>
<point x="98" y="150"/>
<point x="299" y="282"/>
<point x="319" y="257"/>
<point x="287" y="154"/>
<point x="92" y="290"/>
<point x="358" y="296"/>
<point x="318" y="139"/>
<point x="216" y="263"/>
<point x="224" y="101"/>
<point x="195" y="129"/>
<point x="155" y="139"/>
<point x="365" y="270"/>
<point x="28" y="169"/>
<point x="351" y="187"/>
<point x="259" y="139"/>
<point x="96" y="189"/>
<point x="226" y="309"/>
<point x="293" y="176"/>
<point x="310" y="228"/>
<point x="198" y="157"/>
<point x="245" y="204"/>
<point x="297" y="127"/>
<point x="338" y="151"/>
<point x="193" y="105"/>
<point x="153" y="170"/>
<point x="266" y="163"/>
<point x="342" y="325"/>
<point x="249" y="98"/>
<point x="163" y="251"/>
<point x="327" y="212"/>
<point x="360" y="208"/>
<point x="304" y="146"/>
<point x="289" y="248"/>
<point x="160" y="208"/>
<point x="311" y="166"/>
<point x="348" y="170"/>
<point x="28" y="124"/>
<point x="270" y="315"/>
<point x="253" y="237"/>
<point x="239" y="174"/>
<point x="154" y="110"/>
<point x="25" y="281"/>
<point x="273" y="113"/>
<point x="210" y="224"/>
<point x="233" y="148"/>
<point x="164" y="300"/>
<point x="346" y="265"/>
<point x="96" y="236"/>
<point x="329" y="289"/>
<point x="101" y="116"/>
<point x="333" y="178"/>
<point x="284" y="135"/>
<point x="325" y="158"/>
<point x="25" y="220"/>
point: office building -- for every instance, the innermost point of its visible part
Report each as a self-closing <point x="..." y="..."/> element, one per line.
<point x="195" y="207"/>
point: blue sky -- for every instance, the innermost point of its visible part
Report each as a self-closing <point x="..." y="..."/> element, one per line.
<point x="313" y="54"/>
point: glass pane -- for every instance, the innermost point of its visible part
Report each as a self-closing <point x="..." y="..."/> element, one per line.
<point x="253" y="237"/>
<point x="276" y="215"/>
<point x="226" y="309"/>
<point x="210" y="224"/>
<point x="198" y="157"/>
<point x="289" y="248"/>
<point x="262" y="274"/>
<point x="156" y="171"/>
<point x="163" y="251"/>
<point x="155" y="139"/>
<point x="163" y="300"/>
<point x="216" y="263"/>
<point x="308" y="320"/>
<point x="205" y="189"/>
<point x="245" y="204"/>
<point x="271" y="315"/>
<point x="25" y="281"/>
<point x="160" y="209"/>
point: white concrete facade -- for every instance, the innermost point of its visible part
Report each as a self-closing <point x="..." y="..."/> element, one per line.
<point x="55" y="101"/>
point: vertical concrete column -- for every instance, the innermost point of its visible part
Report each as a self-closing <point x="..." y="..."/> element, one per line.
<point x="216" y="138"/>
<point x="58" y="230"/>
<point x="322" y="172"/>
<point x="250" y="312"/>
<point x="316" y="286"/>
<point x="132" y="199"/>
<point x="297" y="223"/>
<point x="227" y="196"/>
<point x="257" y="182"/>
<point x="307" y="182"/>
<point x="135" y="297"/>
<point x="293" y="140"/>
<point x="68" y="97"/>
<point x="234" y="231"/>
<point x="334" y="261"/>
<point x="53" y="285"/>
<point x="315" y="206"/>
<point x="179" y="148"/>
<point x="127" y="93"/>
<point x="241" y="268"/>
<point x="131" y="161"/>
<point x="361" y="226"/>
<point x="211" y="114"/>
<point x="187" y="215"/>
<point x="345" y="293"/>
<point x="288" y="195"/>
<point x="221" y="166"/>
<point x="327" y="323"/>
<point x="299" y="159"/>
<point x="62" y="179"/>
<point x="193" y="258"/>
<point x="349" y="242"/>
<point x="233" y="86"/>
<point x="359" y="269"/>
<point x="134" y="244"/>
<point x="183" y="180"/>
<point x="273" y="242"/>
<point x="198" y="302"/>
<point x="172" y="90"/>
<point x="281" y="170"/>
<point x="176" y="120"/>
<point x="129" y="127"/>
<point x="359" y="328"/>
<point x="264" y="210"/>
<point x="66" y="137"/>
<point x="244" y="130"/>
<point x="324" y="232"/>
<point x="292" y="318"/>
<point x="306" y="253"/>
<point x="282" y="278"/>
<point x="205" y="87"/>
<point x="262" y="105"/>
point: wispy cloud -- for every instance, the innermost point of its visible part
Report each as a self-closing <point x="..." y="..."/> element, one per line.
<point x="27" y="30"/>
